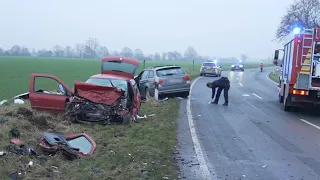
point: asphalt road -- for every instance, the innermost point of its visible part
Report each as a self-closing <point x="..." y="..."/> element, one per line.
<point x="252" y="138"/>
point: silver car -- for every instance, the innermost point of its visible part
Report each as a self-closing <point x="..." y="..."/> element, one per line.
<point x="172" y="80"/>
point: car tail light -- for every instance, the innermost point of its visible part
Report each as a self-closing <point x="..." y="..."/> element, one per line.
<point x="299" y="92"/>
<point x="186" y="78"/>
<point x="160" y="82"/>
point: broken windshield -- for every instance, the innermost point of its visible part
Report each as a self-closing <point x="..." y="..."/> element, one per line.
<point x="81" y="143"/>
<point x="118" y="83"/>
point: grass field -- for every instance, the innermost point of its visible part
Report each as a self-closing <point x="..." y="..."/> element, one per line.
<point x="144" y="150"/>
<point x="15" y="71"/>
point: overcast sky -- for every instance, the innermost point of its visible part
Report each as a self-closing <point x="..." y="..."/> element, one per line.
<point x="217" y="28"/>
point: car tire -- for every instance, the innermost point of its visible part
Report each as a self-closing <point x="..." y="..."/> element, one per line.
<point x="242" y="69"/>
<point x="280" y="98"/>
<point x="287" y="108"/>
<point x="201" y="74"/>
<point x="126" y="119"/>
<point x="147" y="96"/>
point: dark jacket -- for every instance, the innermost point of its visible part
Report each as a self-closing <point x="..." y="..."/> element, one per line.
<point x="223" y="82"/>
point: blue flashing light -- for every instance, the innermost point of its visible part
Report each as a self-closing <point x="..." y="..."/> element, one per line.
<point x="296" y="30"/>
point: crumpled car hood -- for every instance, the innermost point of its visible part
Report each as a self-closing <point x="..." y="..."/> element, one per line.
<point x="97" y="94"/>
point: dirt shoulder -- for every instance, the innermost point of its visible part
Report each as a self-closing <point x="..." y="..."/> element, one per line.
<point x="140" y="150"/>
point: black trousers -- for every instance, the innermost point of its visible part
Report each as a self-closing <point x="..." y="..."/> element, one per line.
<point x="225" y="93"/>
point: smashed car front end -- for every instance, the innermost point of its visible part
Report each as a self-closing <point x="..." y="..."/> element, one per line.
<point x="97" y="104"/>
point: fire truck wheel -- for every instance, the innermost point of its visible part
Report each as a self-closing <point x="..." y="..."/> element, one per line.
<point x="286" y="106"/>
<point x="280" y="98"/>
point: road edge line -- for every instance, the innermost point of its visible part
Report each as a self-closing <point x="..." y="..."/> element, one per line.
<point x="204" y="169"/>
<point x="267" y="76"/>
<point x="311" y="124"/>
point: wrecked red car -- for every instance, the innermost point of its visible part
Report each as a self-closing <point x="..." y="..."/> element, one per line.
<point x="112" y="96"/>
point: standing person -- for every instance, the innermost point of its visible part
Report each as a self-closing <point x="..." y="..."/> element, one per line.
<point x="261" y="66"/>
<point x="222" y="84"/>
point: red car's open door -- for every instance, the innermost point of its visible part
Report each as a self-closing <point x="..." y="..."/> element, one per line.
<point x="48" y="92"/>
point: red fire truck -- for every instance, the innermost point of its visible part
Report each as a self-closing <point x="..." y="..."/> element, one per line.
<point x="299" y="82"/>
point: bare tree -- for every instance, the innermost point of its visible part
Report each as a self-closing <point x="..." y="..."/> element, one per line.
<point x="164" y="56"/>
<point x="115" y="53"/>
<point x="157" y="56"/>
<point x="103" y="51"/>
<point x="1" y="52"/>
<point x="68" y="51"/>
<point x="191" y="53"/>
<point x="58" y="51"/>
<point x="138" y="54"/>
<point x="80" y="50"/>
<point x="92" y="45"/>
<point x="303" y="13"/>
<point x="127" y="52"/>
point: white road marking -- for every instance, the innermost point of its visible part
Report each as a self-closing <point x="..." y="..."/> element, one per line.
<point x="240" y="84"/>
<point x="305" y="121"/>
<point x="257" y="96"/>
<point x="245" y="95"/>
<point x="267" y="76"/>
<point x="196" y="144"/>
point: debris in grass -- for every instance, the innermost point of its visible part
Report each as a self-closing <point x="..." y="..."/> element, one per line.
<point x="142" y="117"/>
<point x="96" y="170"/>
<point x="264" y="166"/>
<point x="151" y="115"/>
<point x="2" y="153"/>
<point x="14" y="175"/>
<point x="16" y="141"/>
<point x="18" y="101"/>
<point x="24" y="111"/>
<point x="179" y="98"/>
<point x="3" y="102"/>
<point x="118" y="134"/>
<point x="164" y="99"/>
<point x="15" y="133"/>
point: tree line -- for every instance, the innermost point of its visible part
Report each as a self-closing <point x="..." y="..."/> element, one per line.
<point x="92" y="49"/>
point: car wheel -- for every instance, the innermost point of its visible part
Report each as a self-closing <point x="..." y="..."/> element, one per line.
<point x="242" y="69"/>
<point x="147" y="94"/>
<point x="286" y="106"/>
<point x="201" y="74"/>
<point x="280" y="98"/>
<point x="126" y="119"/>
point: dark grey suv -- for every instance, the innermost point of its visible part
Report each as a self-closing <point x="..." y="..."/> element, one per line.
<point x="172" y="80"/>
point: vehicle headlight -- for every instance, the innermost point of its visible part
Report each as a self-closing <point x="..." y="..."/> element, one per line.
<point x="232" y="65"/>
<point x="241" y="66"/>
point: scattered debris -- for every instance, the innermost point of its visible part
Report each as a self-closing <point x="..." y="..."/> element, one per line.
<point x="264" y="166"/>
<point x="165" y="177"/>
<point x="118" y="134"/>
<point x="151" y="115"/>
<point x="243" y="175"/>
<point x="16" y="141"/>
<point x="18" y="101"/>
<point x="22" y="96"/>
<point x="2" y="153"/>
<point x="73" y="145"/>
<point x="199" y="115"/>
<point x="142" y="117"/>
<point x="15" y="133"/>
<point x="30" y="164"/>
<point x="96" y="170"/>
<point x="14" y="176"/>
<point x="164" y="99"/>
<point x="4" y="102"/>
<point x="179" y="98"/>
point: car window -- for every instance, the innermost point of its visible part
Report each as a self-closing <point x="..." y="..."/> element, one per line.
<point x="208" y="64"/>
<point x="151" y="74"/>
<point x="170" y="71"/>
<point x="119" y="83"/>
<point x="145" y="75"/>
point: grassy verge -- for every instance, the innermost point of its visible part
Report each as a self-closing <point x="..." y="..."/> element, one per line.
<point x="144" y="150"/>
<point x="274" y="76"/>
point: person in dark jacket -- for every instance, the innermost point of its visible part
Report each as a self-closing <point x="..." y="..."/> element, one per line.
<point x="222" y="84"/>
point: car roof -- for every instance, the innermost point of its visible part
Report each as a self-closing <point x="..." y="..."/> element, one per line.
<point x="162" y="67"/>
<point x="210" y="62"/>
<point x="109" y="76"/>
